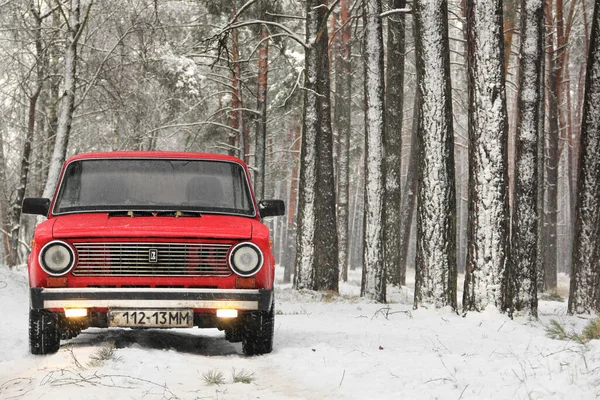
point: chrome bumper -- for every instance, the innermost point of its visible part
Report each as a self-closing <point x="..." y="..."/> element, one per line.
<point x="239" y="299"/>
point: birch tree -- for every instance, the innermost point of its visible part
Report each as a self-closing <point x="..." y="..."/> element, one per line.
<point x="524" y="219"/>
<point x="75" y="23"/>
<point x="33" y="94"/>
<point x="584" y="294"/>
<point x="373" y="276"/>
<point x="436" y="210"/>
<point x="488" y="250"/>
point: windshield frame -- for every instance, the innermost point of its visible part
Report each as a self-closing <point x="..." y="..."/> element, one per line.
<point x="248" y="189"/>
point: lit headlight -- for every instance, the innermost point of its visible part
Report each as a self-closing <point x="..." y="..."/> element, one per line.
<point x="57" y="258"/>
<point x="246" y="259"/>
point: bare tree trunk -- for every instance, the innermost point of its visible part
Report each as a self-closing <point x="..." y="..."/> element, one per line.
<point x="4" y="206"/>
<point x="409" y="192"/>
<point x="541" y="162"/>
<point x="551" y="170"/>
<point x="317" y="249"/>
<point x="292" y="205"/>
<point x="236" y="142"/>
<point x="436" y="212"/>
<point x="75" y="28"/>
<point x="343" y="110"/>
<point x="584" y="294"/>
<point x="16" y="206"/>
<point x="394" y="105"/>
<point x="524" y="219"/>
<point x="488" y="248"/>
<point x="261" y="106"/>
<point x="373" y="279"/>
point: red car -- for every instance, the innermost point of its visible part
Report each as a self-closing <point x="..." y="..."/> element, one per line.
<point x="152" y="240"/>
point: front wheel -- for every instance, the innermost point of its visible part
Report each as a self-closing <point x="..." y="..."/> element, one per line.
<point x="258" y="332"/>
<point x="44" y="335"/>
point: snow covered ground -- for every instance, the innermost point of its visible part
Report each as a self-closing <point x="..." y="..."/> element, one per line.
<point x="326" y="347"/>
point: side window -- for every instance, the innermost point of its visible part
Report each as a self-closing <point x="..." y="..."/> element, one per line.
<point x="71" y="190"/>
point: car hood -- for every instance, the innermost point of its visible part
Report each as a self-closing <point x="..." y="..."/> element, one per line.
<point x="102" y="226"/>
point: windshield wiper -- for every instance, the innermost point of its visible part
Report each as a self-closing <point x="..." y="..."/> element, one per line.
<point x="178" y="214"/>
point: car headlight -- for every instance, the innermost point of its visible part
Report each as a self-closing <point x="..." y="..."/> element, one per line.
<point x="246" y="259"/>
<point x="57" y="258"/>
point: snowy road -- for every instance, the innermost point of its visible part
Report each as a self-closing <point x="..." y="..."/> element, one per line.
<point x="338" y="348"/>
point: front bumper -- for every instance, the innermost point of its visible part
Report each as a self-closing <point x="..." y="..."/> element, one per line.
<point x="239" y="299"/>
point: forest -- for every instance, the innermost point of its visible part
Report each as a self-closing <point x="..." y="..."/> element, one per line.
<point x="426" y="137"/>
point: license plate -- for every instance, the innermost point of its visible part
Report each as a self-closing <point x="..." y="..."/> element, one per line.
<point x="165" y="318"/>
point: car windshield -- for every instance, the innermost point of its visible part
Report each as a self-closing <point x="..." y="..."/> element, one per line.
<point x="154" y="185"/>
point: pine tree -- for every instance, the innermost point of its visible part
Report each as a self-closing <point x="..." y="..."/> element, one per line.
<point x="317" y="245"/>
<point x="394" y="104"/>
<point x="523" y="274"/>
<point x="584" y="292"/>
<point x="488" y="250"/>
<point x="343" y="114"/>
<point x="373" y="279"/>
<point x="436" y="212"/>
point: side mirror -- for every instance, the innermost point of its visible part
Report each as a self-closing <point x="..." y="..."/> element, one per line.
<point x="37" y="206"/>
<point x="271" y="208"/>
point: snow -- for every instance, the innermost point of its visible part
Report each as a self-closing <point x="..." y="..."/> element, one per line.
<point x="325" y="347"/>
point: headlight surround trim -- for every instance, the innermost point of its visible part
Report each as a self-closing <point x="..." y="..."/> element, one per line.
<point x="68" y="266"/>
<point x="252" y="271"/>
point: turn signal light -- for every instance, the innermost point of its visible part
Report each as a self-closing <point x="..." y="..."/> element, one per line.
<point x="223" y="313"/>
<point x="75" y="312"/>
<point x="52" y="282"/>
<point x="245" y="283"/>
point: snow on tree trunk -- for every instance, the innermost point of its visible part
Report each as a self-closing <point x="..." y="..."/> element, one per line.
<point x="394" y="104"/>
<point x="436" y="211"/>
<point x="541" y="151"/>
<point x="236" y="140"/>
<point x="292" y="206"/>
<point x="488" y="251"/>
<point x="373" y="277"/>
<point x="584" y="292"/>
<point x="67" y="106"/>
<point x="551" y="170"/>
<point x="409" y="192"/>
<point x="524" y="219"/>
<point x="16" y="207"/>
<point x="4" y="214"/>
<point x="317" y="249"/>
<point x="261" y="123"/>
<point x="343" y="110"/>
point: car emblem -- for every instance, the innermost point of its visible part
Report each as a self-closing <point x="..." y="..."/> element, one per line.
<point x="153" y="255"/>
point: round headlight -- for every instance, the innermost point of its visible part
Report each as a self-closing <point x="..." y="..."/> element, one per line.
<point x="246" y="259"/>
<point x="57" y="258"/>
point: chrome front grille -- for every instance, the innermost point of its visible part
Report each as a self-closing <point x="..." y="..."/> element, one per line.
<point x="138" y="259"/>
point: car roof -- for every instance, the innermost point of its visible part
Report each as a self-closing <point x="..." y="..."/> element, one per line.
<point x="155" y="154"/>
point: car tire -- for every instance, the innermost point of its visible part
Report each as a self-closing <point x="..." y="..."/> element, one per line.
<point x="258" y="332"/>
<point x="44" y="335"/>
